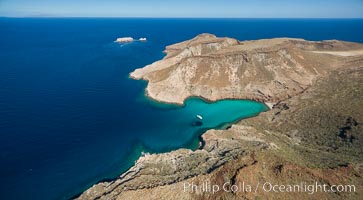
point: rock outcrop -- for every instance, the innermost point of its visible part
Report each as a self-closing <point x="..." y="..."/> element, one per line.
<point x="313" y="132"/>
<point x="215" y="68"/>
<point x="124" y="39"/>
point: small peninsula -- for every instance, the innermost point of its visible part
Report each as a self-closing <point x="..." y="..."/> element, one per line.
<point x="214" y="68"/>
<point x="313" y="131"/>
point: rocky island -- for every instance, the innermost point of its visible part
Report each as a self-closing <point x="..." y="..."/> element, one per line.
<point x="313" y="132"/>
<point x="129" y="39"/>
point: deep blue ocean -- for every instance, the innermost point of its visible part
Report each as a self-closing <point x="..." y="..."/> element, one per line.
<point x="69" y="114"/>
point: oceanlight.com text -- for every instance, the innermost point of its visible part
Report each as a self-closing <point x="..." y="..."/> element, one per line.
<point x="270" y="187"/>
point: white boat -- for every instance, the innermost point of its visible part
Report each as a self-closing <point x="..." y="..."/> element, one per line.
<point x="142" y="39"/>
<point x="199" y="117"/>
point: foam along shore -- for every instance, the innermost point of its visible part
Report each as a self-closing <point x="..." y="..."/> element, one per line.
<point x="129" y="39"/>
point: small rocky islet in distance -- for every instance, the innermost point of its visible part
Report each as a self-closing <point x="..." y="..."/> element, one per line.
<point x="129" y="39"/>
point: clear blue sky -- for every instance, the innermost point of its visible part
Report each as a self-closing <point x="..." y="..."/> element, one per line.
<point x="184" y="8"/>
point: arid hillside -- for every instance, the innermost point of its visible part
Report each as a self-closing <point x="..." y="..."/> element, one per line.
<point x="313" y="133"/>
<point x="266" y="70"/>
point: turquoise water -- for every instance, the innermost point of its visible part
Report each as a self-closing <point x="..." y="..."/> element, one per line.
<point x="70" y="116"/>
<point x="183" y="127"/>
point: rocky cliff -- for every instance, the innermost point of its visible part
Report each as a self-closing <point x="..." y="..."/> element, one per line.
<point x="313" y="132"/>
<point x="216" y="68"/>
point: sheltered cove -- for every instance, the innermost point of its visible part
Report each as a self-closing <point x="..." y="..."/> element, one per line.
<point x="293" y="74"/>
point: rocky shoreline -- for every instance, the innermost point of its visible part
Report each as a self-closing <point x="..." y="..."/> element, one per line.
<point x="213" y="68"/>
<point x="307" y="135"/>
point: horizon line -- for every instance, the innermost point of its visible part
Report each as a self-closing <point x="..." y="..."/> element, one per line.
<point x="123" y="17"/>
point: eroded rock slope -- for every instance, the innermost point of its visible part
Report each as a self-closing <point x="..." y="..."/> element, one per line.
<point x="313" y="132"/>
